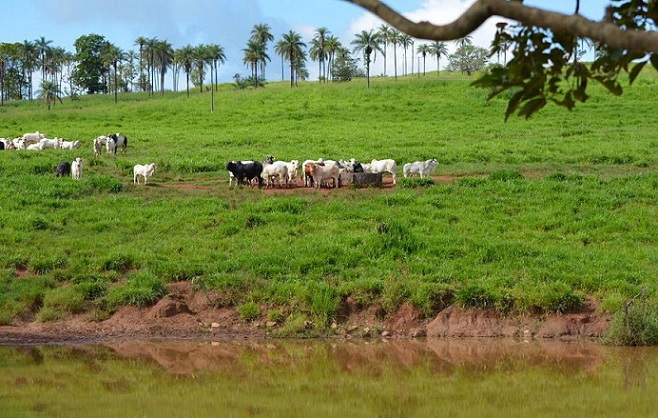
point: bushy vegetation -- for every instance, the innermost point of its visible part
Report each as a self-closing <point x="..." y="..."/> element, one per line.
<point x="538" y="215"/>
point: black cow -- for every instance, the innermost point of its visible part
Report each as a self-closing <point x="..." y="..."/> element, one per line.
<point x="63" y="169"/>
<point x="249" y="170"/>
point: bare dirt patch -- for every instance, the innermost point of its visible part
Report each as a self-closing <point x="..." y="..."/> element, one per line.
<point x="186" y="313"/>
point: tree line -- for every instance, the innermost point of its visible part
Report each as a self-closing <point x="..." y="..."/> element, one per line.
<point x="99" y="66"/>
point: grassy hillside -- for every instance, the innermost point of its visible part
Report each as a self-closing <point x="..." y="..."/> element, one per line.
<point x="541" y="213"/>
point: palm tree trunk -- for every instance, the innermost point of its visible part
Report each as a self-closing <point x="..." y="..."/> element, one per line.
<point x="395" y="61"/>
<point x="212" y="91"/>
<point x="187" y="82"/>
<point x="115" y="83"/>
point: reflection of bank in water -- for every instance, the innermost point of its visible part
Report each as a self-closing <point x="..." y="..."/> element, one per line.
<point x="327" y="378"/>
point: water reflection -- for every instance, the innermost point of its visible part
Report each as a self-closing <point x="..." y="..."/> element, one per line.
<point x="397" y="377"/>
<point x="442" y="356"/>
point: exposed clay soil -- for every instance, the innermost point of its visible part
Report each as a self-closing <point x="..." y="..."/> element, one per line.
<point x="185" y="314"/>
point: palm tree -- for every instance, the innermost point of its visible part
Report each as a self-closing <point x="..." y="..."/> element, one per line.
<point x="185" y="56"/>
<point x="55" y="64"/>
<point x="200" y="57"/>
<point x="112" y="55"/>
<point x="49" y="92"/>
<point x="163" y="58"/>
<point x="278" y="49"/>
<point x="261" y="33"/>
<point x="394" y="39"/>
<point x="367" y="42"/>
<point x="28" y="59"/>
<point x="424" y="49"/>
<point x="332" y="45"/>
<point x="141" y="42"/>
<point x="292" y="50"/>
<point x="405" y="42"/>
<point x="438" y="48"/>
<point x="319" y="51"/>
<point x="384" y="32"/>
<point x="254" y="54"/>
<point x="150" y="64"/>
<point x="43" y="49"/>
<point x="217" y="56"/>
<point x="466" y="40"/>
<point x="129" y="68"/>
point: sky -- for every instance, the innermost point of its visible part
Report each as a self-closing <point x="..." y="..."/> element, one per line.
<point x="229" y="23"/>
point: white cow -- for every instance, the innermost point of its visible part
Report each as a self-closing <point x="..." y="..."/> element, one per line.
<point x="382" y="166"/>
<point x="110" y="146"/>
<point x="35" y="147"/>
<point x="51" y="143"/>
<point x="70" y="144"/>
<point x="421" y="168"/>
<point x="145" y="171"/>
<point x="76" y="168"/>
<point x="33" y="137"/>
<point x="98" y="145"/>
<point x="322" y="173"/>
<point x="278" y="170"/>
<point x="19" y="143"/>
<point x="292" y="172"/>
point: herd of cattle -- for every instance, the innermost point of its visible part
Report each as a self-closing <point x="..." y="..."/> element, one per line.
<point x="317" y="173"/>
<point x="37" y="141"/>
<point x="314" y="173"/>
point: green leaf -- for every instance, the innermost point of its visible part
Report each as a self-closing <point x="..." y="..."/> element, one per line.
<point x="635" y="71"/>
<point x="513" y="104"/>
<point x="532" y="106"/>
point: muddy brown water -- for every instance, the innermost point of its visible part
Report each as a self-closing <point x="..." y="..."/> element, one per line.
<point x="332" y="378"/>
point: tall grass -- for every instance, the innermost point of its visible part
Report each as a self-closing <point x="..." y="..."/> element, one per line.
<point x="538" y="215"/>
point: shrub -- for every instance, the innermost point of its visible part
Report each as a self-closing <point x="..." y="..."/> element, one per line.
<point x="92" y="289"/>
<point x="634" y="325"/>
<point x="249" y="311"/>
<point x="505" y="175"/>
<point x="140" y="289"/>
<point x="107" y="184"/>
<point x="395" y="238"/>
<point x="276" y="315"/>
<point x="393" y="294"/>
<point x="323" y="301"/>
<point x="119" y="262"/>
<point x="560" y="297"/>
<point x="45" y="265"/>
<point x="430" y="298"/>
<point x="59" y="302"/>
<point x="475" y="296"/>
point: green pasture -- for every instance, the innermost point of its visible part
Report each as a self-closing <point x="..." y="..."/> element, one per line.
<point x="533" y="215"/>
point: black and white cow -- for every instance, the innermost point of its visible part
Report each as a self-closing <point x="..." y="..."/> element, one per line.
<point x="120" y="141"/>
<point x="249" y="171"/>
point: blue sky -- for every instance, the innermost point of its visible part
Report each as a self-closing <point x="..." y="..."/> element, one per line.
<point x="227" y="22"/>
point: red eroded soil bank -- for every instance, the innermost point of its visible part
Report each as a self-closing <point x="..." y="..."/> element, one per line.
<point x="189" y="314"/>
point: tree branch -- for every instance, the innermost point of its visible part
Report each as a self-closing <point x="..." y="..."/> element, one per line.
<point x="576" y="25"/>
